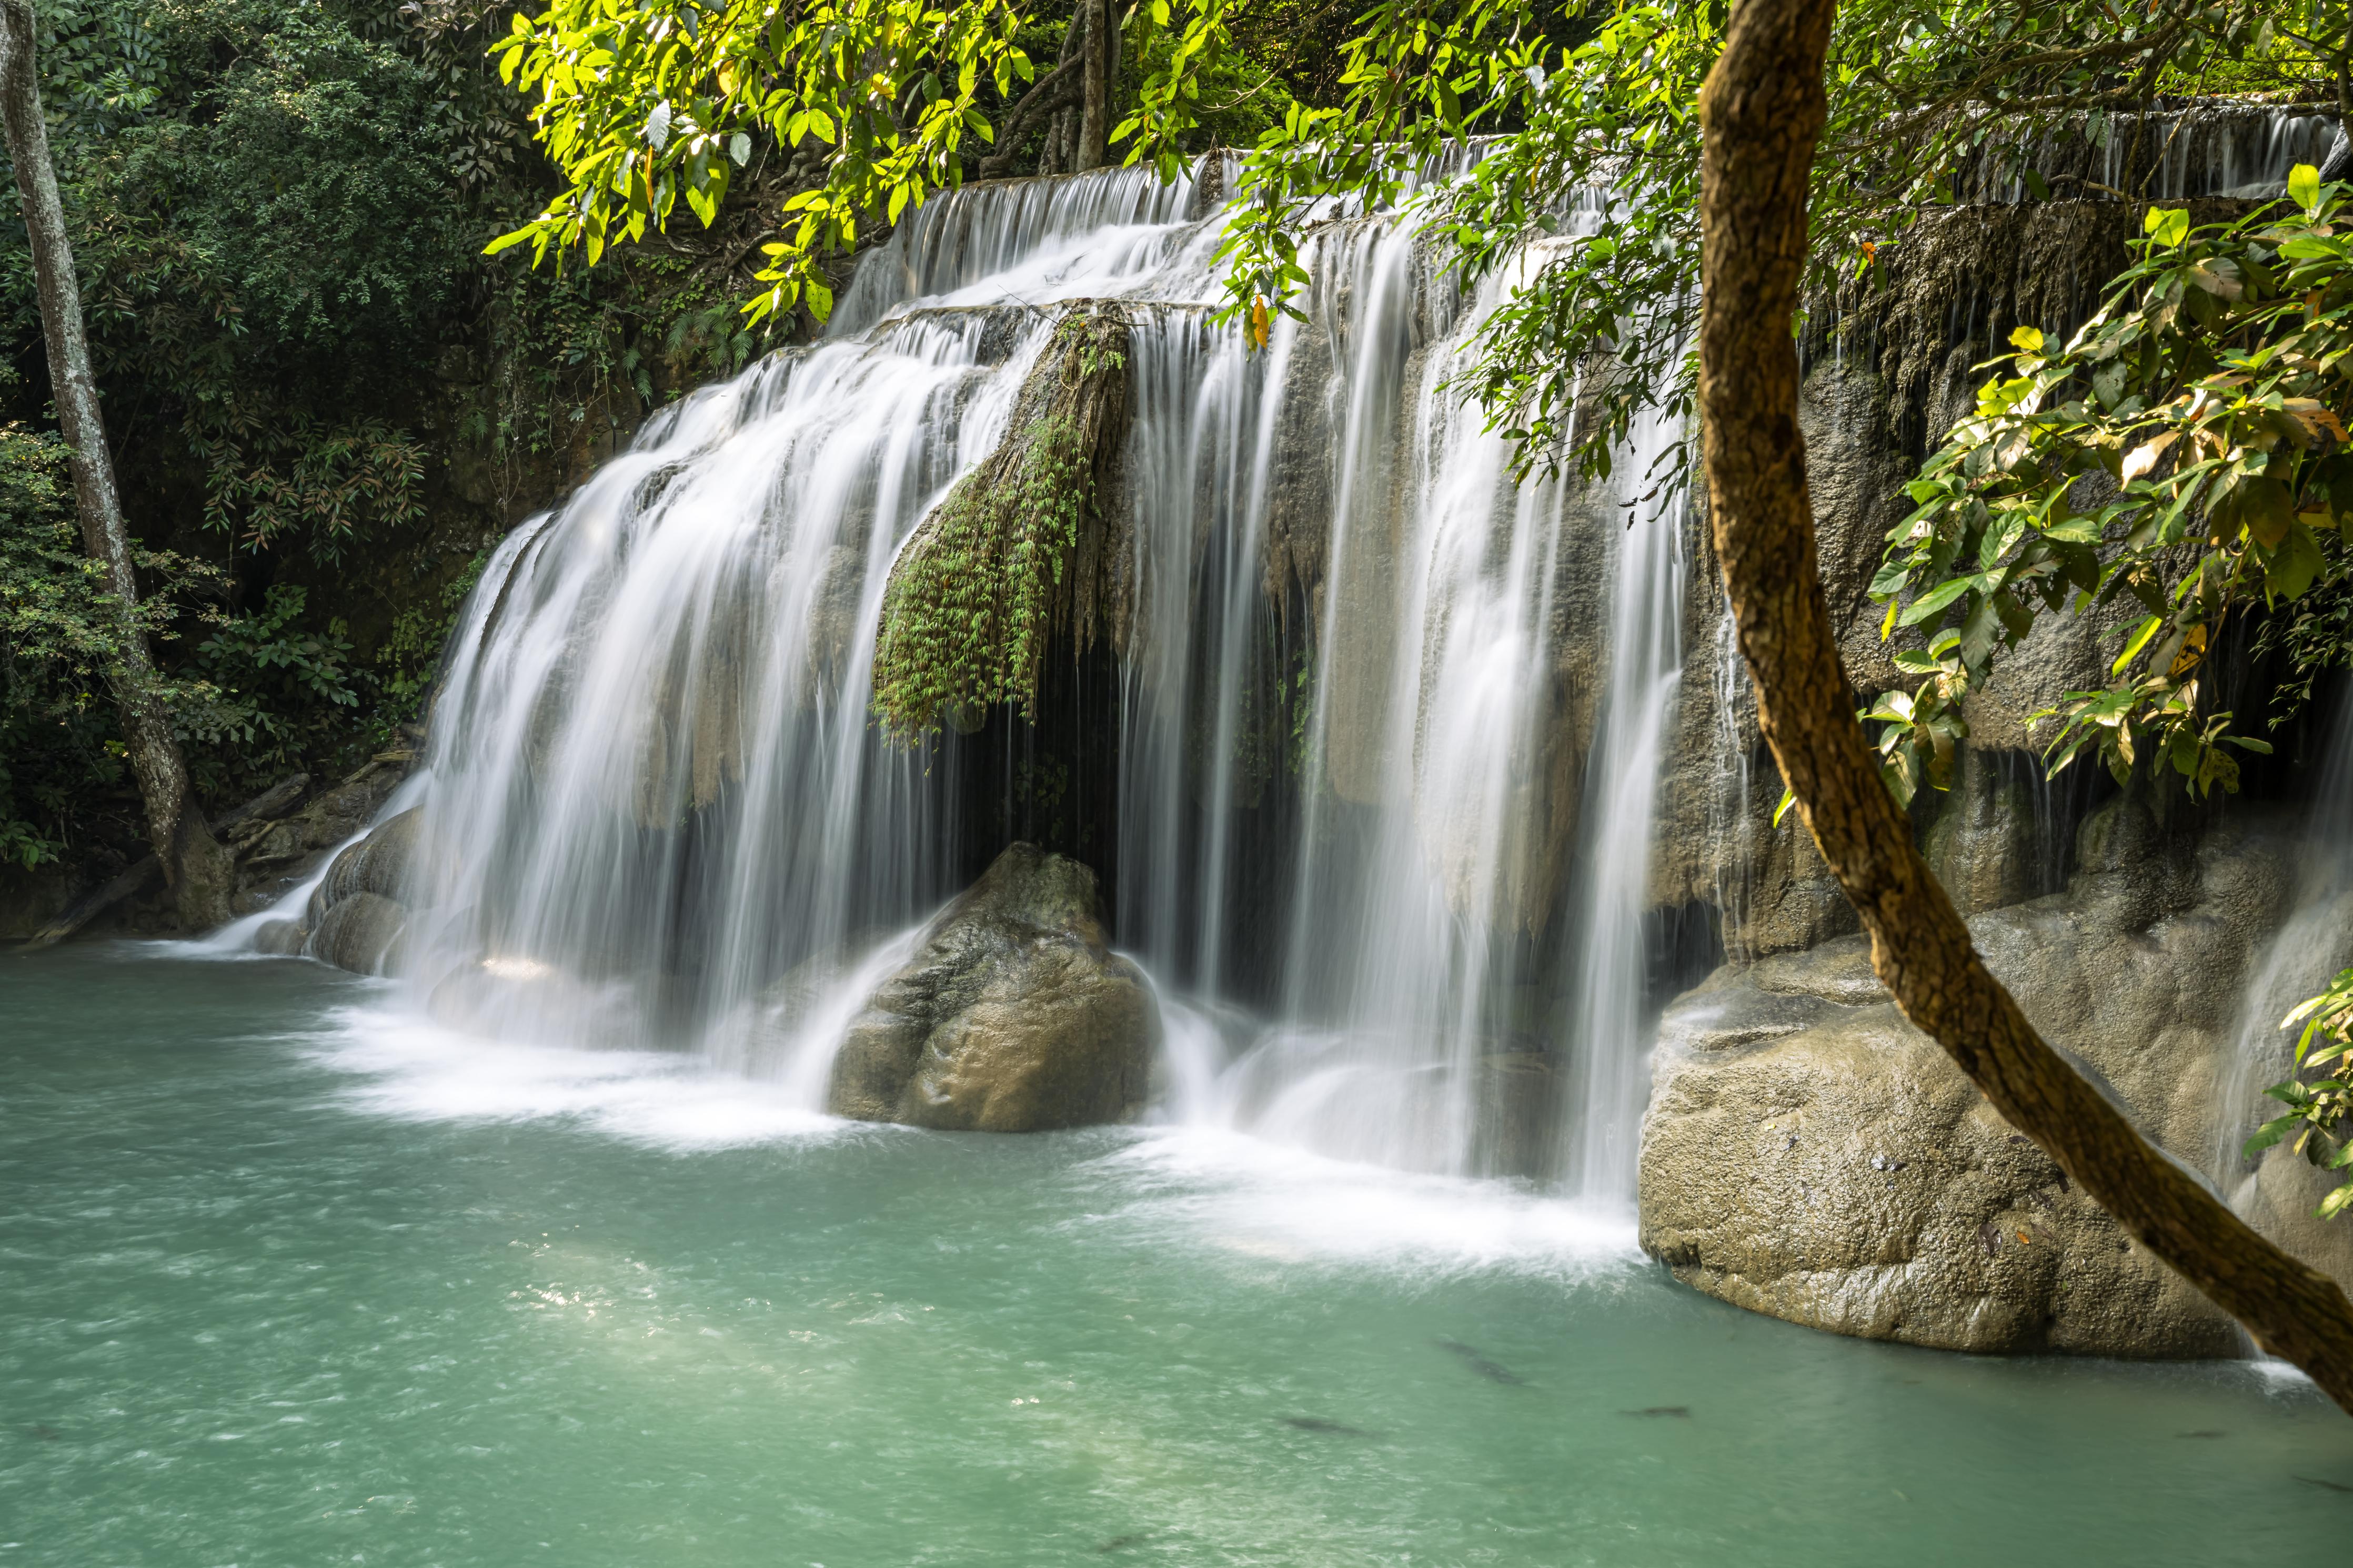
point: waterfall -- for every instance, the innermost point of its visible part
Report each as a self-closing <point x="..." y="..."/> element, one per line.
<point x="2304" y="955"/>
<point x="1388" y="728"/>
<point x="654" y="791"/>
<point x="1646" y="667"/>
<point x="2218" y="148"/>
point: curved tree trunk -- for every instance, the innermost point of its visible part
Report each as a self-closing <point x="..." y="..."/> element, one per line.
<point x="194" y="863"/>
<point x="1763" y="108"/>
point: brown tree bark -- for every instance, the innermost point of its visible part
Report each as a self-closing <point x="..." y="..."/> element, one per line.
<point x="194" y="865"/>
<point x="1095" y="112"/>
<point x="1762" y="109"/>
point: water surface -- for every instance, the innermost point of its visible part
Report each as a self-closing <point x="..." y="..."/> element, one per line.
<point x="283" y="1282"/>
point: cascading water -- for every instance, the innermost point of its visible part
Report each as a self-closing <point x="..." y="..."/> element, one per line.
<point x="1388" y="725"/>
<point x="2310" y="947"/>
<point x="1646" y="668"/>
<point x="2217" y="148"/>
<point x="654" y="787"/>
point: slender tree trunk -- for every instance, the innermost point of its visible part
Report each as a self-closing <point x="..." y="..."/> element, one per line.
<point x="194" y="865"/>
<point x="1763" y="108"/>
<point x="1094" y="113"/>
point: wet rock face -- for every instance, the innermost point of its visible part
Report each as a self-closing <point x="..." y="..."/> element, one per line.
<point x="378" y="864"/>
<point x="276" y="856"/>
<point x="361" y="933"/>
<point x="1012" y="1017"/>
<point x="1809" y="1154"/>
<point x="357" y="915"/>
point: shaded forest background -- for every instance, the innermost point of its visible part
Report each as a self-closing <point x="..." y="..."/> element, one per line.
<point x="326" y="403"/>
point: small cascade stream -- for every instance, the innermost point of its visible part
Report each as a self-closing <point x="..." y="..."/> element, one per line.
<point x="1646" y="669"/>
<point x="2309" y="948"/>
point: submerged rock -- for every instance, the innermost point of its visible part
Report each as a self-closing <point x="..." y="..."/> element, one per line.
<point x="283" y="938"/>
<point x="361" y="933"/>
<point x="1809" y="1154"/>
<point x="1012" y="1017"/>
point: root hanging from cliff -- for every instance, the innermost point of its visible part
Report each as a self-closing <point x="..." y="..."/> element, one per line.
<point x="1021" y="552"/>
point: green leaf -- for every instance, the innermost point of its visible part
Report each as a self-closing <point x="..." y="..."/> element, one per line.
<point x="2265" y="1136"/>
<point x="2295" y="564"/>
<point x="2139" y="640"/>
<point x="1936" y="599"/>
<point x="2303" y="187"/>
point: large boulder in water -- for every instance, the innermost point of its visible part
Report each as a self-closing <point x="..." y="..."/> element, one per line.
<point x="1809" y="1154"/>
<point x="1012" y="1017"/>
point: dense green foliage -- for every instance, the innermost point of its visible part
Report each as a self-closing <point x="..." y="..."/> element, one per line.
<point x="876" y="104"/>
<point x="2179" y="452"/>
<point x="57" y="637"/>
<point x="644" y="106"/>
<point x="324" y="400"/>
<point x="269" y="232"/>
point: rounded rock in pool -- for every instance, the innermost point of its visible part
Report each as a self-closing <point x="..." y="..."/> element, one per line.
<point x="1013" y="1016"/>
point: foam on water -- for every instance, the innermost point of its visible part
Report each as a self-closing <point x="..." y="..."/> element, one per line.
<point x="1258" y="1201"/>
<point x="412" y="1070"/>
<point x="1230" y="1195"/>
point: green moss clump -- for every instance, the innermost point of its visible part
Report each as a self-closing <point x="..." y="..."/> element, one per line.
<point x="980" y="589"/>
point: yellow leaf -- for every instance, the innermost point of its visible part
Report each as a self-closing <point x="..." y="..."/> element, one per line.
<point x="2027" y="340"/>
<point x="2193" y="648"/>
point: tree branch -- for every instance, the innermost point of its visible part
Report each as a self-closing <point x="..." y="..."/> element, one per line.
<point x="1763" y="108"/>
<point x="1057" y="90"/>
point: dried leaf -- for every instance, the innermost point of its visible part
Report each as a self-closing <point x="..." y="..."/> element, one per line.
<point x="2316" y="417"/>
<point x="2143" y="459"/>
